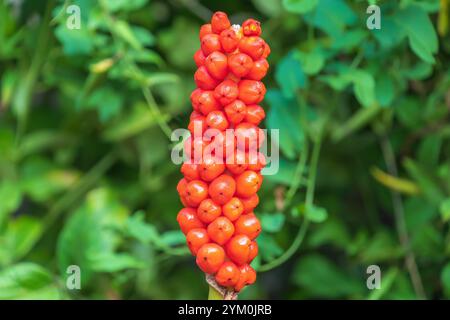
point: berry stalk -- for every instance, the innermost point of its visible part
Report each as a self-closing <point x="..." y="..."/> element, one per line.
<point x="222" y="170"/>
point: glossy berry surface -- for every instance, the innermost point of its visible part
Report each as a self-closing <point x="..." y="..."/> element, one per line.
<point x="222" y="172"/>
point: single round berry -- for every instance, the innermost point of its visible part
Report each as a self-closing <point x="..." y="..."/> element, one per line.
<point x="253" y="46"/>
<point x="217" y="120"/>
<point x="222" y="189"/>
<point x="247" y="277"/>
<point x="190" y="171"/>
<point x="251" y="91"/>
<point x="224" y="143"/>
<point x="233" y="209"/>
<point x="236" y="111"/>
<point x="207" y="103"/>
<point x="240" y="64"/>
<point x="251" y="27"/>
<point x="204" y="80"/>
<point x="194" y="98"/>
<point x="258" y="70"/>
<point x="194" y="148"/>
<point x="199" y="58"/>
<point x="208" y="211"/>
<point x="247" y="184"/>
<point x="217" y="65"/>
<point x="181" y="186"/>
<point x="228" y="274"/>
<point x="237" y="163"/>
<point x="220" y="230"/>
<point x="196" y="191"/>
<point x="204" y="30"/>
<point x="249" y="225"/>
<point x="188" y="220"/>
<point x="210" y="43"/>
<point x="228" y="40"/>
<point x="255" y="114"/>
<point x="211" y="168"/>
<point x="210" y="257"/>
<point x="220" y="22"/>
<point x="266" y="52"/>
<point x="226" y="92"/>
<point x="196" y="238"/>
<point x="250" y="203"/>
<point x="238" y="249"/>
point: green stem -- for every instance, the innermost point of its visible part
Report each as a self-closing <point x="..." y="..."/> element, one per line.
<point x="156" y="112"/>
<point x="297" y="180"/>
<point x="213" y="294"/>
<point x="304" y="227"/>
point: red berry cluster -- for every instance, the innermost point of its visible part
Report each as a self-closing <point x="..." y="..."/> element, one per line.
<point x="220" y="196"/>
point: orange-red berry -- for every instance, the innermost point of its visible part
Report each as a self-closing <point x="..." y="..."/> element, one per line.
<point x="188" y="220"/>
<point x="210" y="257"/>
<point x="247" y="276"/>
<point x="217" y="65"/>
<point x="208" y="211"/>
<point x="220" y="22"/>
<point x="240" y="64"/>
<point x="220" y="230"/>
<point x="233" y="209"/>
<point x="249" y="225"/>
<point x="228" y="274"/>
<point x="196" y="238"/>
<point x="222" y="189"/>
<point x="226" y="92"/>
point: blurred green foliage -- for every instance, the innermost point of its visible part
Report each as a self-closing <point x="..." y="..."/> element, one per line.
<point x="85" y="171"/>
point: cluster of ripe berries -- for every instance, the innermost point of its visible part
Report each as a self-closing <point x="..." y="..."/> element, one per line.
<point x="219" y="197"/>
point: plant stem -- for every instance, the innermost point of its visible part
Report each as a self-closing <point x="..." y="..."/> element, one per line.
<point x="309" y="201"/>
<point x="213" y="294"/>
<point x="156" y="112"/>
<point x="400" y="223"/>
<point x="298" y="175"/>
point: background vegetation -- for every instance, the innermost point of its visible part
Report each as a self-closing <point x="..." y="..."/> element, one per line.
<point x="85" y="170"/>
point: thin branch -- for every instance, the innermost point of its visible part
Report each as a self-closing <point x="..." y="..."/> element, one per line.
<point x="399" y="214"/>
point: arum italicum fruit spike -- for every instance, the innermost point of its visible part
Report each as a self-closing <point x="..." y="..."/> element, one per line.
<point x="220" y="194"/>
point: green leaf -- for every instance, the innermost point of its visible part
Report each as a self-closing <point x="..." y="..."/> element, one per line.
<point x="409" y="112"/>
<point x="316" y="214"/>
<point x="124" y="31"/>
<point x="331" y="16"/>
<point x="299" y="6"/>
<point x="77" y="41"/>
<point x="290" y="76"/>
<point x="107" y="101"/>
<point x="363" y="86"/>
<point x="445" y="210"/>
<point x="285" y="173"/>
<point x="272" y="222"/>
<point x="390" y="34"/>
<point x="19" y="237"/>
<point x="384" y="90"/>
<point x="422" y="37"/>
<point x="320" y="277"/>
<point x="27" y="281"/>
<point x="11" y="196"/>
<point x="90" y="237"/>
<point x="283" y="115"/>
<point x="311" y="62"/>
<point x="139" y="229"/>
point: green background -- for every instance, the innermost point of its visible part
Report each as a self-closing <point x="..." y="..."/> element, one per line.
<point x="85" y="171"/>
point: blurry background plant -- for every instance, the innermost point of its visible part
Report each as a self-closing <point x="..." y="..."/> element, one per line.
<point x="85" y="170"/>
